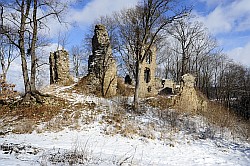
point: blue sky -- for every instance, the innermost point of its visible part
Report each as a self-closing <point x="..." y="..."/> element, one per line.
<point x="227" y="20"/>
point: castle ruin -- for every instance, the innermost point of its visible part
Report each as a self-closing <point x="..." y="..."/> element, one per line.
<point x="102" y="70"/>
<point x="147" y="74"/>
<point x="59" y="67"/>
<point x="102" y="73"/>
<point x="189" y="97"/>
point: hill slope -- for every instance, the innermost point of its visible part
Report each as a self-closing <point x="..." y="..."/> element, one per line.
<point x="87" y="130"/>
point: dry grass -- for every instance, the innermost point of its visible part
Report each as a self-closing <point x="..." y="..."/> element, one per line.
<point x="24" y="118"/>
<point x="225" y="118"/>
<point x="81" y="154"/>
<point x="85" y="86"/>
<point x="73" y="117"/>
<point x="63" y="119"/>
<point x="218" y="115"/>
<point x="124" y="123"/>
<point x="38" y="113"/>
<point x="160" y="102"/>
<point x="129" y="129"/>
<point x="117" y="122"/>
<point x="24" y="126"/>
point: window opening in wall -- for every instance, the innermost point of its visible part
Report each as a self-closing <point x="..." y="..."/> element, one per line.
<point x="147" y="75"/>
<point x="149" y="57"/>
<point x="149" y="89"/>
<point x="128" y="80"/>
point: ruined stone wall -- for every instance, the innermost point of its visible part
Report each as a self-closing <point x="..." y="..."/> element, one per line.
<point x="59" y="67"/>
<point x="189" y="98"/>
<point x="167" y="83"/>
<point x="188" y="80"/>
<point x="102" y="67"/>
<point x="165" y="86"/>
<point x="147" y="75"/>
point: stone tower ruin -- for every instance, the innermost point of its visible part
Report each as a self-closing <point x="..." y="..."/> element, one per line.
<point x="189" y="98"/>
<point x="59" y="67"/>
<point x="147" y="74"/>
<point x="102" y="68"/>
<point x="187" y="80"/>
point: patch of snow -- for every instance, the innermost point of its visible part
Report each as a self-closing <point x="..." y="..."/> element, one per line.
<point x="116" y="149"/>
<point x="180" y="141"/>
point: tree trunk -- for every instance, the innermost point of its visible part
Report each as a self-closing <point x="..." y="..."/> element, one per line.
<point x="102" y="81"/>
<point x="24" y="15"/>
<point x="33" y="50"/>
<point x="167" y="69"/>
<point x="137" y="85"/>
<point x="184" y="64"/>
<point x="3" y="66"/>
<point x="177" y="70"/>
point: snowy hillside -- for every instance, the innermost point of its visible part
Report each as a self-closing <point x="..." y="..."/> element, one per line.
<point x="97" y="131"/>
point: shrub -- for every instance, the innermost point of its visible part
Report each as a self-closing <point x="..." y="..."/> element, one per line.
<point x="7" y="92"/>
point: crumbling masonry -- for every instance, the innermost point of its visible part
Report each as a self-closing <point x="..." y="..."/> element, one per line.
<point x="59" y="67"/>
<point x="147" y="74"/>
<point x="102" y="69"/>
<point x="189" y="98"/>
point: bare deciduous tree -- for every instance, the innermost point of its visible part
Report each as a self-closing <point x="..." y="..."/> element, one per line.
<point x="141" y="28"/>
<point x="79" y="60"/>
<point x="7" y="51"/>
<point x="25" y="22"/>
<point x="62" y="40"/>
<point x="189" y="35"/>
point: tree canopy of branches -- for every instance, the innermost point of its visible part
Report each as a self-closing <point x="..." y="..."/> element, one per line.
<point x="24" y="19"/>
<point x="7" y="55"/>
<point x="191" y="49"/>
<point x="191" y="44"/>
<point x="141" y="28"/>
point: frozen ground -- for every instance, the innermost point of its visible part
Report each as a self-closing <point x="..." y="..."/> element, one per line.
<point x="100" y="142"/>
<point x="100" y="149"/>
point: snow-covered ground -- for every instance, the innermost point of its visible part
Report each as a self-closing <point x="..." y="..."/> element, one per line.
<point x="101" y="141"/>
<point x="117" y="150"/>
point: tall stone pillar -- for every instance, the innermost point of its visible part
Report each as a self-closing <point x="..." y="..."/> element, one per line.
<point x="59" y="67"/>
<point x="102" y="65"/>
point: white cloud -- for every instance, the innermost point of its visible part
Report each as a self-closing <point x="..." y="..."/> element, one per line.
<point x="211" y="2"/>
<point x="54" y="28"/>
<point x="227" y="17"/>
<point x="85" y="15"/>
<point x="244" y="25"/>
<point x="241" y="54"/>
<point x="96" y="8"/>
<point x="216" y="21"/>
<point x="229" y="20"/>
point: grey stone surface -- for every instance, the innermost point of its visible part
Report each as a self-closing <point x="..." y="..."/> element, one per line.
<point x="147" y="75"/>
<point x="102" y="65"/>
<point x="59" y="67"/>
